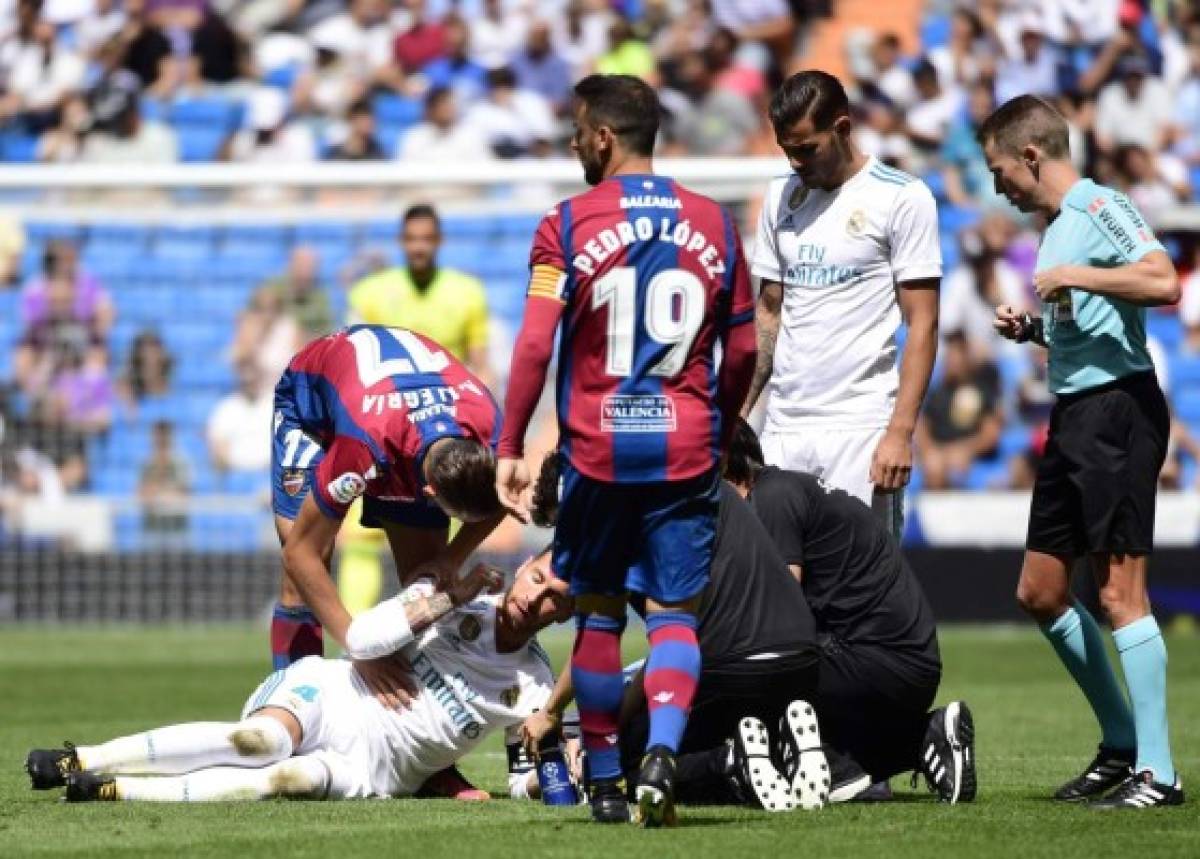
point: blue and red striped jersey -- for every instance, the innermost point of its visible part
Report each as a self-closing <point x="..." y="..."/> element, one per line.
<point x="652" y="278"/>
<point x="376" y="398"/>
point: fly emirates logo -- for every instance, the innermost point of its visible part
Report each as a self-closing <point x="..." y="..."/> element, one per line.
<point x="612" y="239"/>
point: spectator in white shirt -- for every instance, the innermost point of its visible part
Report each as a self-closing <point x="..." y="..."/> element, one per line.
<point x="581" y="35"/>
<point x="269" y="137"/>
<point x="1135" y="108"/>
<point x="1033" y="69"/>
<point x="362" y="39"/>
<point x="514" y="122"/>
<point x="1189" y="307"/>
<point x="891" y="77"/>
<point x="442" y="135"/>
<point x="239" y="429"/>
<point x="935" y="107"/>
<point x="983" y="281"/>
<point x="497" y="34"/>
<point x="41" y="75"/>
<point x="969" y="53"/>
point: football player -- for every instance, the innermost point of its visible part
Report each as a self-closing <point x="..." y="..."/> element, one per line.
<point x="315" y="730"/>
<point x="646" y="278"/>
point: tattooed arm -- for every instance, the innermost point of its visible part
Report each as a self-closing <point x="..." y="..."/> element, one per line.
<point x="393" y="623"/>
<point x="766" y="324"/>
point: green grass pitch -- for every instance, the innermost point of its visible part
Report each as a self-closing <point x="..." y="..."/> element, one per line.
<point x="1034" y="730"/>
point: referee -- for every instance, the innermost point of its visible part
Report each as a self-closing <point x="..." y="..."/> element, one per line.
<point x="1098" y="266"/>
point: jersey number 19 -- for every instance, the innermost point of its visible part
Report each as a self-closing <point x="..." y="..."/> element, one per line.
<point x="673" y="315"/>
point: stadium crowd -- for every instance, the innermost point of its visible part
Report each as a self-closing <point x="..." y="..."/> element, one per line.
<point x="271" y="80"/>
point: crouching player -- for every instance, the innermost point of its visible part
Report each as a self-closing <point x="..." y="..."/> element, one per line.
<point x="315" y="730"/>
<point x="388" y="415"/>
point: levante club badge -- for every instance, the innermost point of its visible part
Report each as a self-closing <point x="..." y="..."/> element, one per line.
<point x="293" y="481"/>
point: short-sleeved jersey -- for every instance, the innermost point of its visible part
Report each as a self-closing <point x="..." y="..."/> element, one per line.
<point x="452" y="309"/>
<point x="1094" y="339"/>
<point x="652" y="276"/>
<point x="375" y="399"/>
<point x="839" y="256"/>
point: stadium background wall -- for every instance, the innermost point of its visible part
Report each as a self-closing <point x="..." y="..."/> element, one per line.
<point x="50" y="586"/>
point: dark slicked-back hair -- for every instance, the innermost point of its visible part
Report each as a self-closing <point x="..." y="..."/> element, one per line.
<point x="1023" y="121"/>
<point x="463" y="474"/>
<point x="627" y="105"/>
<point x="809" y="94"/>
<point x="745" y="459"/>
<point x="544" y="510"/>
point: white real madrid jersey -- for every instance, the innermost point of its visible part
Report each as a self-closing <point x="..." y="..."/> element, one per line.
<point x="468" y="690"/>
<point x="840" y="256"/>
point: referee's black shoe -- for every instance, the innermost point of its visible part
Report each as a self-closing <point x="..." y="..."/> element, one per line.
<point x="49" y="768"/>
<point x="948" y="753"/>
<point x="1108" y="769"/>
<point x="1141" y="791"/>
<point x="607" y="797"/>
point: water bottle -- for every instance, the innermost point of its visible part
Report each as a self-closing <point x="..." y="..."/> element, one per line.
<point x="554" y="776"/>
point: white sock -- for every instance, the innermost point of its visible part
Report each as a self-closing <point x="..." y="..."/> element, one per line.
<point x="255" y="742"/>
<point x="304" y="776"/>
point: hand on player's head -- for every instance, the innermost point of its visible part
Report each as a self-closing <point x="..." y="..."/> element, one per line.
<point x="512" y="485"/>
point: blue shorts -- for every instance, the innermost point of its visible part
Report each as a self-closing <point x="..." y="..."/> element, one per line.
<point x="294" y="460"/>
<point x="654" y="539"/>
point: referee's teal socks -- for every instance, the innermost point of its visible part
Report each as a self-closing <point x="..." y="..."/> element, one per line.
<point x="1077" y="640"/>
<point x="1144" y="658"/>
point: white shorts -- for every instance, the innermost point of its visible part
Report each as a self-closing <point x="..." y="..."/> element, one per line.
<point x="840" y="457"/>
<point x="322" y="696"/>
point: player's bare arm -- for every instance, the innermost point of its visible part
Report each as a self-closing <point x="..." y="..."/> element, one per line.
<point x="395" y="622"/>
<point x="389" y="678"/>
<point x="1151" y="281"/>
<point x="891" y="465"/>
<point x="304" y="562"/>
<point x="531" y="355"/>
<point x="767" y="312"/>
<point x="548" y="719"/>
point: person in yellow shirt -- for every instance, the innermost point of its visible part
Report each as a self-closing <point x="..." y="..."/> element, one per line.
<point x="446" y="305"/>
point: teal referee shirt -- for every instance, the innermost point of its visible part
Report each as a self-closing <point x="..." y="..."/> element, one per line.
<point x="1094" y="339"/>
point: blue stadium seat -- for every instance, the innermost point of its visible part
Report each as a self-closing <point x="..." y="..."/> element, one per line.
<point x="987" y="474"/>
<point x="214" y="531"/>
<point x="318" y="232"/>
<point x="472" y="227"/>
<point x="952" y="219"/>
<point x="1187" y="404"/>
<point x="1013" y="440"/>
<point x="184" y="243"/>
<point x="119" y="233"/>
<point x="220" y="113"/>
<point x="200" y="143"/>
<point x="389" y="135"/>
<point x="16" y="148"/>
<point x="127" y="527"/>
<point x="397" y="110"/>
<point x="936" y="181"/>
<point x="1165" y="327"/>
<point x="1185" y="372"/>
<point x="935" y="31"/>
<point x="382" y="231"/>
<point x="521" y="226"/>
<point x="44" y="231"/>
<point x="206" y="371"/>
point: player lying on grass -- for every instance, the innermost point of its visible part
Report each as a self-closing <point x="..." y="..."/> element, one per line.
<point x="315" y="730"/>
<point x="759" y="638"/>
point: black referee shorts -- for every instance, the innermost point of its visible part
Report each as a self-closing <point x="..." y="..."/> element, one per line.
<point x="1096" y="484"/>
